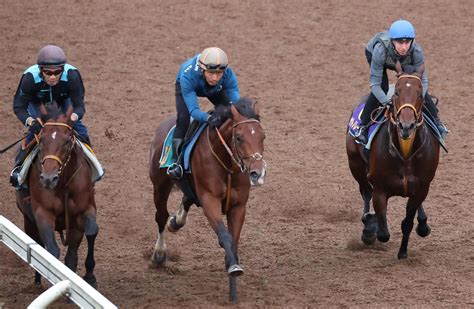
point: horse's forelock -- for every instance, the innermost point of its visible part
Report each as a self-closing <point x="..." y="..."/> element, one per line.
<point x="245" y="106"/>
<point x="53" y="111"/>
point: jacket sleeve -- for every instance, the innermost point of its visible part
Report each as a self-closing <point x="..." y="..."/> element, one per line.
<point x="76" y="92"/>
<point x="231" y="86"/>
<point x="376" y="73"/>
<point x="419" y="59"/>
<point x="23" y="97"/>
<point x="191" y="100"/>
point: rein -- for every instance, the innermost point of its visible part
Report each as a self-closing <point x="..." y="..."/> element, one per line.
<point x="237" y="158"/>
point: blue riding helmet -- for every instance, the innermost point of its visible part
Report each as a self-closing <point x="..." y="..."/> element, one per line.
<point x="402" y="29"/>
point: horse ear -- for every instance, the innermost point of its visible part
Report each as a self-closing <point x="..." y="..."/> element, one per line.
<point x="256" y="108"/>
<point x="69" y="111"/>
<point x="421" y="69"/>
<point x="43" y="109"/>
<point x="235" y="113"/>
<point x="398" y="68"/>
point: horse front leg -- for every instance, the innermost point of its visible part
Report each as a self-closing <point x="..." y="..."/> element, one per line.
<point x="380" y="206"/>
<point x="32" y="231"/>
<point x="212" y="211"/>
<point x="413" y="205"/>
<point x="235" y="220"/>
<point x="45" y="222"/>
<point x="423" y="229"/>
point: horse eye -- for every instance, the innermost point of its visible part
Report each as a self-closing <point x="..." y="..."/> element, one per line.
<point x="238" y="139"/>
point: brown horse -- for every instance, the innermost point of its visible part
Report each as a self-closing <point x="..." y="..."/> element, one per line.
<point x="403" y="159"/>
<point x="225" y="163"/>
<point x="62" y="193"/>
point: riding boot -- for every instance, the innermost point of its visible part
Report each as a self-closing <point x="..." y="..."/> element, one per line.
<point x="175" y="169"/>
<point x="433" y="111"/>
<point x="371" y="104"/>
<point x="15" y="173"/>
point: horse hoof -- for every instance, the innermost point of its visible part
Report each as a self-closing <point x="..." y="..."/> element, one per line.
<point x="158" y="260"/>
<point x="91" y="280"/>
<point x="402" y="255"/>
<point x="383" y="237"/>
<point x="172" y="226"/>
<point x="423" y="231"/>
<point x="235" y="270"/>
<point x="368" y="238"/>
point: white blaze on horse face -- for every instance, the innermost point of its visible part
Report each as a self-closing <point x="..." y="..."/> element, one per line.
<point x="53" y="135"/>
<point x="408" y="85"/>
<point x="252" y="131"/>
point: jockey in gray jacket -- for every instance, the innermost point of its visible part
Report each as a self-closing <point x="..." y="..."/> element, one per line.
<point x="382" y="52"/>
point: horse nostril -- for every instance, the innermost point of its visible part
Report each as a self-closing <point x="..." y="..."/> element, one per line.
<point x="254" y="176"/>
<point x="55" y="179"/>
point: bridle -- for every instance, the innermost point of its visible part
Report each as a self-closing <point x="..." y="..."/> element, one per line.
<point x="395" y="119"/>
<point x="62" y="162"/>
<point x="406" y="144"/>
<point x="237" y="157"/>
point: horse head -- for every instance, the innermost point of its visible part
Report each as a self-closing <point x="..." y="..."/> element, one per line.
<point x="247" y="138"/>
<point x="407" y="109"/>
<point x="55" y="144"/>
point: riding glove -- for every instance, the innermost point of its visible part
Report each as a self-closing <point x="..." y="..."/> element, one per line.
<point x="35" y="127"/>
<point x="214" y="121"/>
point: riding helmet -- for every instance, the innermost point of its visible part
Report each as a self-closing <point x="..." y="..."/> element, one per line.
<point x="51" y="55"/>
<point x="402" y="29"/>
<point x="213" y="59"/>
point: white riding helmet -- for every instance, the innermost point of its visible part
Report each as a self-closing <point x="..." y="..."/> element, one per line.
<point x="213" y="59"/>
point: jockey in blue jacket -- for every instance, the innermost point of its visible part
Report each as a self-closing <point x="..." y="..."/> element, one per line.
<point x="205" y="75"/>
<point x="382" y="52"/>
<point x="50" y="79"/>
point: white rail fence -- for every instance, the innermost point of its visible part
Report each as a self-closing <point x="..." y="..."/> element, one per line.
<point x="64" y="280"/>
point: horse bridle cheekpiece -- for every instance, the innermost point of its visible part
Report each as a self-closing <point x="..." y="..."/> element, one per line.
<point x="61" y="163"/>
<point x="418" y="115"/>
<point x="238" y="158"/>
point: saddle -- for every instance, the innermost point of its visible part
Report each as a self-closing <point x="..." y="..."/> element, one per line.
<point x="166" y="158"/>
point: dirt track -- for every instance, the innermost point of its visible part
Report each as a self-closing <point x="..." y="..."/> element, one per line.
<point x="304" y="62"/>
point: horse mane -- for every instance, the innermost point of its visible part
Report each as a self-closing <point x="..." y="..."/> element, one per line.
<point x="244" y="106"/>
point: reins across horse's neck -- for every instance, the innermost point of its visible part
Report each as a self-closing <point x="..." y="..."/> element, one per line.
<point x="239" y="162"/>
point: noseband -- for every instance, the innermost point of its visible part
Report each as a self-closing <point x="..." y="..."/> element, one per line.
<point x="238" y="158"/>
<point x="55" y="157"/>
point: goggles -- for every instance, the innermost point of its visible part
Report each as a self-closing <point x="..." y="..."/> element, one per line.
<point x="213" y="67"/>
<point x="52" y="72"/>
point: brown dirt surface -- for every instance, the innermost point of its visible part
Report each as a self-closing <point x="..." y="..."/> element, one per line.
<point x="304" y="62"/>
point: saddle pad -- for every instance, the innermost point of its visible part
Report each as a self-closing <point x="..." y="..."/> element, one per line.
<point x="354" y="123"/>
<point x="97" y="172"/>
<point x="166" y="158"/>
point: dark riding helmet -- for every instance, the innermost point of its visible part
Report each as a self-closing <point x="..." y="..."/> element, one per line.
<point x="51" y="55"/>
<point x="213" y="59"/>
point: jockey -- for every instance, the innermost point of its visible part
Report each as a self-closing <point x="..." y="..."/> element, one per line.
<point x="205" y="75"/>
<point x="50" y="79"/>
<point x="382" y="52"/>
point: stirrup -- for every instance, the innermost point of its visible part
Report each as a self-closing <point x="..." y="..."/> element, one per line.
<point x="14" y="175"/>
<point x="175" y="170"/>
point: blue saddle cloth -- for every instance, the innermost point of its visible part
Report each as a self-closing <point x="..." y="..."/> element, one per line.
<point x="166" y="158"/>
<point x="354" y="125"/>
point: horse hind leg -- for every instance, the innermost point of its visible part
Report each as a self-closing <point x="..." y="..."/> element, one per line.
<point x="161" y="192"/>
<point x="422" y="229"/>
<point x="178" y="220"/>
<point x="369" y="233"/>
